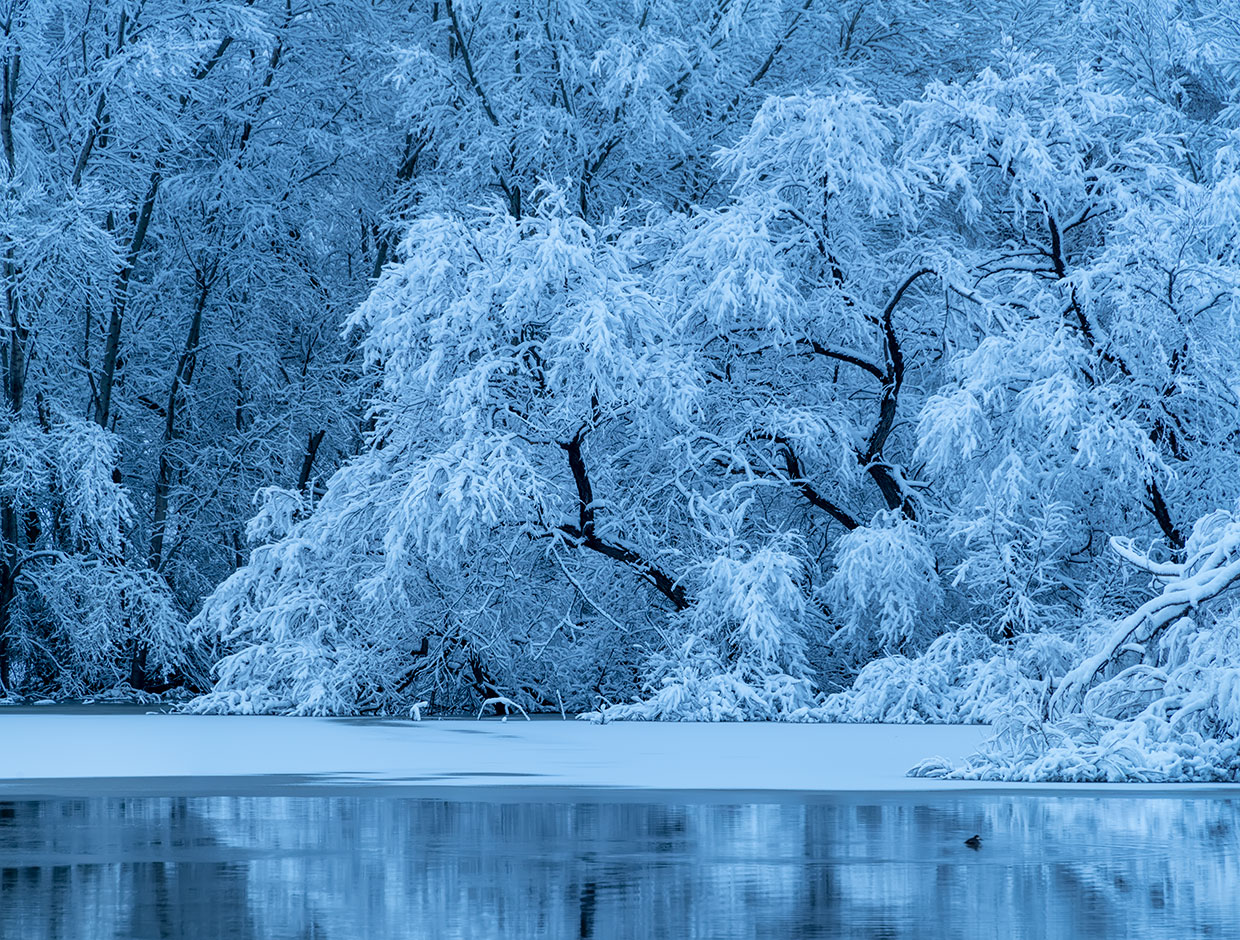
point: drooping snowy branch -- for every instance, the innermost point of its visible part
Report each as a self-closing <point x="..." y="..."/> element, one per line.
<point x="1211" y="567"/>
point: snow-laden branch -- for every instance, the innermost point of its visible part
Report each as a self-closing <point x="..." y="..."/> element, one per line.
<point x="1212" y="567"/>
<point x="1163" y="570"/>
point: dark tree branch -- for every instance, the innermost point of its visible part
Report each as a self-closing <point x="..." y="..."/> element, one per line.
<point x="583" y="534"/>
<point x="850" y="357"/>
<point x="793" y="467"/>
<point x="779" y="46"/>
<point x="307" y="459"/>
<point x="892" y="379"/>
<point x="469" y="63"/>
<point x="1162" y="515"/>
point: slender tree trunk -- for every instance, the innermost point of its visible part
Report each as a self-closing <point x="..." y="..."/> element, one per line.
<point x="120" y="300"/>
<point x="15" y="360"/>
<point x="307" y="459"/>
<point x="120" y="289"/>
<point x="181" y="377"/>
<point x="14" y="363"/>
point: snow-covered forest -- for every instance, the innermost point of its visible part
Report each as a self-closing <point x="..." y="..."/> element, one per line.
<point x="721" y="359"/>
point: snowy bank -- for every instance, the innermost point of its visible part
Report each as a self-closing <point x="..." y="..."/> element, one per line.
<point x="732" y="756"/>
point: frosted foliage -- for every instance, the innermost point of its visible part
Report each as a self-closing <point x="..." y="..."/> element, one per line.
<point x="963" y="676"/>
<point x="302" y="679"/>
<point x="1014" y="548"/>
<point x="65" y="473"/>
<point x="278" y="510"/>
<point x="1155" y="697"/>
<point x="836" y="144"/>
<point x="705" y="362"/>
<point x="1018" y="137"/>
<point x="745" y="655"/>
<point x="470" y="302"/>
<point x="96" y="509"/>
<point x="324" y="621"/>
<point x="885" y="589"/>
<point x="468" y="329"/>
<point x="537" y="413"/>
<point x="101" y="613"/>
<point x="84" y="612"/>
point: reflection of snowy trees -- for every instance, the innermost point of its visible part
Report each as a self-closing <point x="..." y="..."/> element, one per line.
<point x="124" y="868"/>
<point x="348" y="867"/>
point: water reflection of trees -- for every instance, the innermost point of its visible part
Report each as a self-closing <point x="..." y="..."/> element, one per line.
<point x="94" y="868"/>
<point x="388" y="867"/>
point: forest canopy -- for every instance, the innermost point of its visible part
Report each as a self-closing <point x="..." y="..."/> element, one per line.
<point x="712" y="360"/>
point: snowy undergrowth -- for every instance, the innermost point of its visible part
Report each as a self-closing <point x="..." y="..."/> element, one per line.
<point x="1157" y="701"/>
<point x="963" y="677"/>
<point x="743" y="658"/>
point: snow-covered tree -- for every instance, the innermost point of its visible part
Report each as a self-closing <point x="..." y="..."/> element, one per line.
<point x="182" y="191"/>
<point x="774" y="360"/>
<point x="747" y="372"/>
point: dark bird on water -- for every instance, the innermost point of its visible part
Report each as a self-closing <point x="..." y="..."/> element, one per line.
<point x="974" y="842"/>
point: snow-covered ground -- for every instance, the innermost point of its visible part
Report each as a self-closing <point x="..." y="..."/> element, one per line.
<point x="57" y="752"/>
<point x="755" y="756"/>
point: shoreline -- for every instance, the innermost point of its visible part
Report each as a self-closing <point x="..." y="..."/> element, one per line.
<point x="284" y="786"/>
<point x="81" y="754"/>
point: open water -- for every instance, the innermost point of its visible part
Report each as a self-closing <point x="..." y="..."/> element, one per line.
<point x="602" y="865"/>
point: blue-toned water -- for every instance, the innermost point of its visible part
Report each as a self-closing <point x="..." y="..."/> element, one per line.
<point x="378" y="866"/>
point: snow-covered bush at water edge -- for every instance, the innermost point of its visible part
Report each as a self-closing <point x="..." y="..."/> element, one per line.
<point x="1156" y="699"/>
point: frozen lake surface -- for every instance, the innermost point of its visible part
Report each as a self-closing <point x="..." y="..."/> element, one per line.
<point x="383" y="865"/>
<point x="55" y="745"/>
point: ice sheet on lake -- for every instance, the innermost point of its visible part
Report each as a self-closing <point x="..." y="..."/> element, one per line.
<point x="756" y="756"/>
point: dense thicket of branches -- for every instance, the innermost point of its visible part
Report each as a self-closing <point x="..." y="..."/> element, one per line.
<point x="194" y="196"/>
<point x="678" y="360"/>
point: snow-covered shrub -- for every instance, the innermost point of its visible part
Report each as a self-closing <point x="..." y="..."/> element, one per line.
<point x="298" y="677"/>
<point x="292" y="628"/>
<point x="1157" y="698"/>
<point x="83" y="618"/>
<point x="743" y="657"/>
<point x="963" y="676"/>
<point x="337" y="618"/>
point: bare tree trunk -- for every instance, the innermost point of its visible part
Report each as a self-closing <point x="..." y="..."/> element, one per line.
<point x="14" y="361"/>
<point x="120" y="289"/>
<point x="120" y="300"/>
<point x="307" y="459"/>
<point x="181" y="377"/>
<point x="880" y="471"/>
